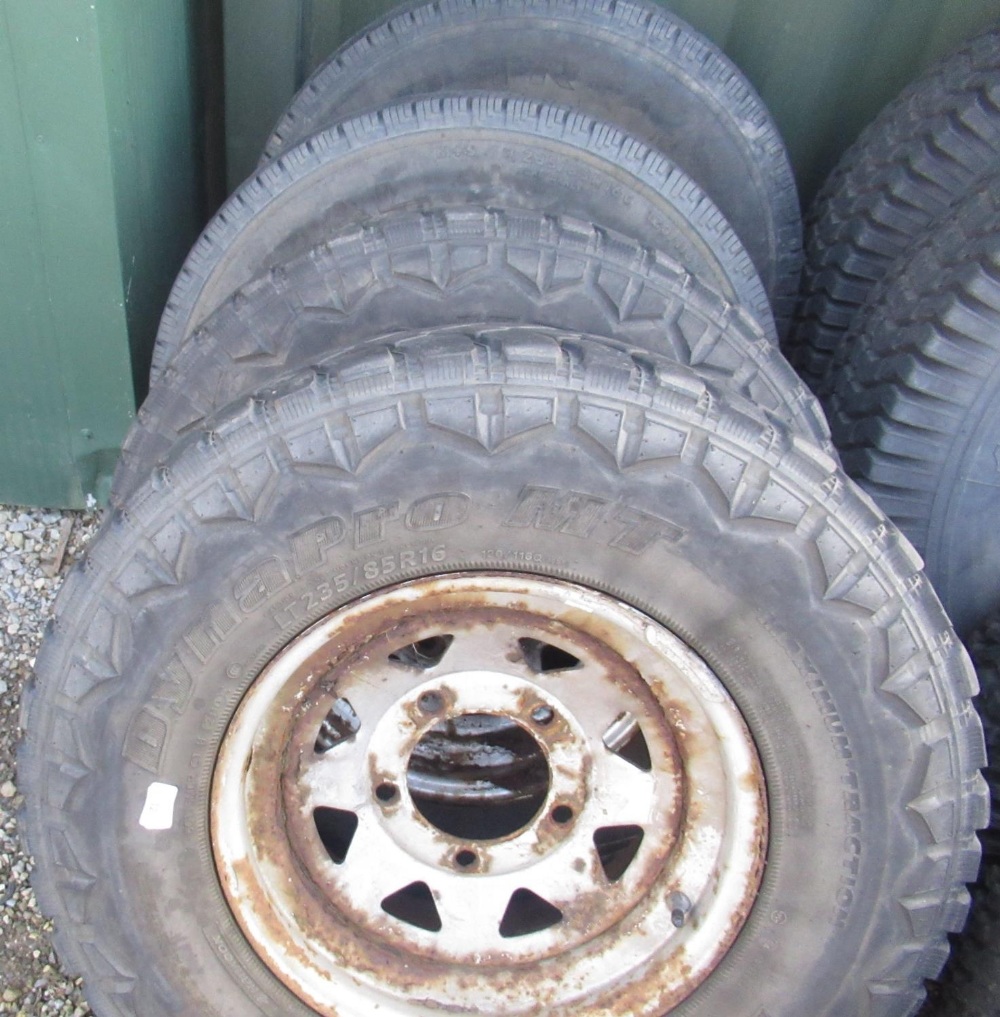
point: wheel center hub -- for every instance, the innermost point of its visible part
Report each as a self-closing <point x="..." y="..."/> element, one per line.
<point x="479" y="776"/>
<point x="488" y="782"/>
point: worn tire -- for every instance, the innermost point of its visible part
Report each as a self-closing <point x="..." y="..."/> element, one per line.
<point x="420" y="271"/>
<point x="924" y="151"/>
<point x="455" y="151"/>
<point x="912" y="400"/>
<point x="632" y="64"/>
<point x="970" y="986"/>
<point x="984" y="646"/>
<point x="571" y="461"/>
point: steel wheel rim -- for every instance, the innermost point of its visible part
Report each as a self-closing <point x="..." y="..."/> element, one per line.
<point x="348" y="933"/>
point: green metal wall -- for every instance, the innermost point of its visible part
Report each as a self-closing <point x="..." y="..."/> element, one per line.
<point x="824" y="67"/>
<point x="108" y="154"/>
<point x="99" y="201"/>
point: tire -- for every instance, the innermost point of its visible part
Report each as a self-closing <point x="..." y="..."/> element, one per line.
<point x="912" y="403"/>
<point x="456" y="151"/>
<point x="970" y="986"/>
<point x="631" y="64"/>
<point x="417" y="271"/>
<point x="984" y="646"/>
<point x="927" y="149"/>
<point x="625" y="488"/>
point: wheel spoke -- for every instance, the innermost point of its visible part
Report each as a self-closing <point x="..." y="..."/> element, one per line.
<point x="376" y="689"/>
<point x="375" y="866"/>
<point x="482" y="649"/>
<point x="586" y="692"/>
<point x="471" y="909"/>
<point x="336" y="779"/>
<point x="623" y="795"/>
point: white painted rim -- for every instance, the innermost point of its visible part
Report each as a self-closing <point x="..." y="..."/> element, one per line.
<point x="637" y="944"/>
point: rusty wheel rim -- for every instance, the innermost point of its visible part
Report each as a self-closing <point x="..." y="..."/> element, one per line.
<point x="489" y="787"/>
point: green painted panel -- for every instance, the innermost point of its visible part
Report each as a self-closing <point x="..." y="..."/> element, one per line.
<point x="264" y="42"/>
<point x="152" y="113"/>
<point x="96" y="210"/>
<point x="67" y="389"/>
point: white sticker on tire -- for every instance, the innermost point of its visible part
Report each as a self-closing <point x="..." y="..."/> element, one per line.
<point x="158" y="811"/>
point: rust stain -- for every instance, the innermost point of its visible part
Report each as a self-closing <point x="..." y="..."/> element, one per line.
<point x="369" y="944"/>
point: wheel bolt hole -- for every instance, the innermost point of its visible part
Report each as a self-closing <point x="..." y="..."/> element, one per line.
<point x="464" y="859"/>
<point x="543" y="715"/>
<point x="386" y="792"/>
<point x="562" y="814"/>
<point x="431" y="702"/>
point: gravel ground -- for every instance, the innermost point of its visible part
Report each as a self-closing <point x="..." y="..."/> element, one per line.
<point x="36" y="548"/>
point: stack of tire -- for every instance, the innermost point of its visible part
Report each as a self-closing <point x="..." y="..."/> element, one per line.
<point x="484" y="623"/>
<point x="898" y="332"/>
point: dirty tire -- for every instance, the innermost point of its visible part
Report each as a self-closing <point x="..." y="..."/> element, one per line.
<point x="455" y="151"/>
<point x="418" y="271"/>
<point x="925" y="150"/>
<point x="605" y="60"/>
<point x="912" y="398"/>
<point x="984" y="646"/>
<point x="554" y="462"/>
<point x="970" y="986"/>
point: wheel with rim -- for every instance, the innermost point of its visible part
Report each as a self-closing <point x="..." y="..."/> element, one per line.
<point x="451" y="151"/>
<point x="609" y="695"/>
<point x="414" y="271"/>
<point x="632" y="64"/>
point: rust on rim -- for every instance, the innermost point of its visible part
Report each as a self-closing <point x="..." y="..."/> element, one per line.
<point x="489" y="793"/>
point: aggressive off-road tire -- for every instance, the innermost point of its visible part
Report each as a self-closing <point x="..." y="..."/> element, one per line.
<point x="912" y="399"/>
<point x="970" y="986"/>
<point x="450" y="151"/>
<point x="556" y="462"/>
<point x="418" y="271"/>
<point x="925" y="151"/>
<point x="631" y="64"/>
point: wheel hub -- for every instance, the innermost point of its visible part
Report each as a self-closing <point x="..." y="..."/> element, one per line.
<point x="489" y="787"/>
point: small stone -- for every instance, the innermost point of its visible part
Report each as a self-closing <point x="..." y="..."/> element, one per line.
<point x="7" y="789"/>
<point x="16" y="538"/>
<point x="9" y="996"/>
